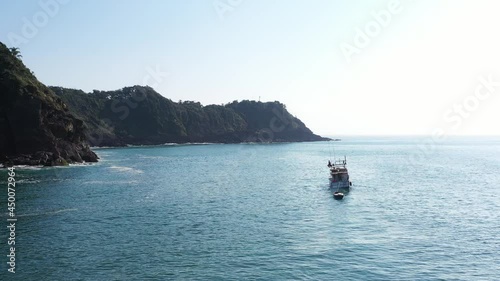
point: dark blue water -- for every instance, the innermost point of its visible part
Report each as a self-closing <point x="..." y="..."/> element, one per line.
<point x="262" y="212"/>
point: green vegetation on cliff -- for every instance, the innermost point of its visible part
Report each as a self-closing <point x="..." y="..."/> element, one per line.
<point x="36" y="126"/>
<point x="139" y="115"/>
<point x="42" y="125"/>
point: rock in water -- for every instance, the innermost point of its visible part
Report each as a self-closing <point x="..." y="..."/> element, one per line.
<point x="36" y="127"/>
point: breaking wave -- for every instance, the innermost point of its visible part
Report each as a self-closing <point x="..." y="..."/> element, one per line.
<point x="126" y="169"/>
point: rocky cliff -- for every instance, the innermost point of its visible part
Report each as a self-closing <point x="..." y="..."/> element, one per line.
<point x="36" y="126"/>
<point x="42" y="125"/>
<point x="140" y="115"/>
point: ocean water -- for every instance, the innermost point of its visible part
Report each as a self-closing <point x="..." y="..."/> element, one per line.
<point x="262" y="212"/>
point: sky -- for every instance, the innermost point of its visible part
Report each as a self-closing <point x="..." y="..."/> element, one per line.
<point x="347" y="67"/>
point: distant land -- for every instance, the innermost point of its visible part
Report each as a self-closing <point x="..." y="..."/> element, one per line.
<point x="139" y="115"/>
<point x="43" y="125"/>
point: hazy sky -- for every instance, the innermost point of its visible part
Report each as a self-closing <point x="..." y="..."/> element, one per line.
<point x="342" y="67"/>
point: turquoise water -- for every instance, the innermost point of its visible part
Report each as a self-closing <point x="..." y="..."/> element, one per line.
<point x="262" y="212"/>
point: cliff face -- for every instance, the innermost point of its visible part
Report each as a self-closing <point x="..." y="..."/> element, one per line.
<point x="139" y="115"/>
<point x="52" y="126"/>
<point x="36" y="126"/>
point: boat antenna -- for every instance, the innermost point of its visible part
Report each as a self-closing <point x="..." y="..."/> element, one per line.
<point x="330" y="151"/>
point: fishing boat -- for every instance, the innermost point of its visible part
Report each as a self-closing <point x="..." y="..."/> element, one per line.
<point x="339" y="178"/>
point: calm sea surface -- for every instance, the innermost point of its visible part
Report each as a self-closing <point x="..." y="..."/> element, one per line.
<point x="262" y="212"/>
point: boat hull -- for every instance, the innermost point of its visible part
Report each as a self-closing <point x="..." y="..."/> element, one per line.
<point x="343" y="186"/>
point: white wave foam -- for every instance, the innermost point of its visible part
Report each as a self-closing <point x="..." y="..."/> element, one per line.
<point x="188" y="143"/>
<point x="26" y="167"/>
<point x="126" y="169"/>
<point x="81" y="164"/>
<point x="27" y="181"/>
<point x="101" y="147"/>
<point x="40" y="167"/>
<point x="153" y="145"/>
<point x="110" y="182"/>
